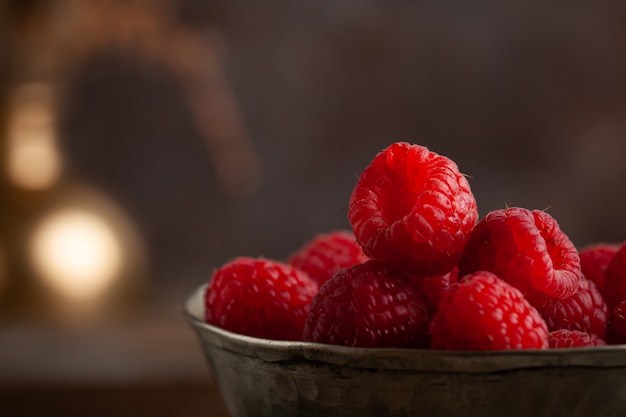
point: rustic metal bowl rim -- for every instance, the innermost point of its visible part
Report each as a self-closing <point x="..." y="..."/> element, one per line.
<point x="390" y="359"/>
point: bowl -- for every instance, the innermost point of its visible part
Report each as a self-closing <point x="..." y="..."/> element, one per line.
<point x="260" y="377"/>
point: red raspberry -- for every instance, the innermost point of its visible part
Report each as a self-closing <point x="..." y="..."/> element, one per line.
<point x="564" y="338"/>
<point x="368" y="305"/>
<point x="431" y="289"/>
<point x="414" y="207"/>
<point x="323" y="255"/>
<point x="528" y="250"/>
<point x="616" y="325"/>
<point x="615" y="278"/>
<point x="585" y="311"/>
<point x="483" y="312"/>
<point x="260" y="298"/>
<point x="593" y="262"/>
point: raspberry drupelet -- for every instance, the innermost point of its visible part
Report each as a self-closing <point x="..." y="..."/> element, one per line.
<point x="326" y="253"/>
<point x="616" y="325"/>
<point x="368" y="305"/>
<point x="528" y="250"/>
<point x="432" y="289"/>
<point x="259" y="297"/>
<point x="615" y="278"/>
<point x="414" y="208"/>
<point x="483" y="312"/>
<point x="584" y="311"/>
<point x="564" y="338"/>
<point x="594" y="260"/>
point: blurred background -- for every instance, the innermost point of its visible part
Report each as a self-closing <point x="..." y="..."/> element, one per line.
<point x="146" y="142"/>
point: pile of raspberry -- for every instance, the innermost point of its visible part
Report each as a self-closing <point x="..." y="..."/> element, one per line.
<point x="420" y="269"/>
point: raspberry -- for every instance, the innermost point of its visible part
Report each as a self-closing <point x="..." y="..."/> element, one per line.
<point x="483" y="312"/>
<point x="585" y="311"/>
<point x="411" y="206"/>
<point x="528" y="250"/>
<point x="431" y="289"/>
<point x="260" y="298"/>
<point x="616" y="325"/>
<point x="368" y="305"/>
<point x="323" y="255"/>
<point x="564" y="338"/>
<point x="593" y="262"/>
<point x="615" y="278"/>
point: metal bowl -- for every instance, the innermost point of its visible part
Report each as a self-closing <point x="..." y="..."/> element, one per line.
<point x="259" y="377"/>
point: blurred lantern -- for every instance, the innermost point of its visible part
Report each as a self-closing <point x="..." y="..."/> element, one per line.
<point x="67" y="248"/>
<point x="72" y="245"/>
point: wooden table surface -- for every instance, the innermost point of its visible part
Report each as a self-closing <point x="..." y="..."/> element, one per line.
<point x="146" y="364"/>
<point x="183" y="398"/>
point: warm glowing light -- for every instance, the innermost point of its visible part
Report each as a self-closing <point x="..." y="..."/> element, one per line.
<point x="77" y="253"/>
<point x="33" y="160"/>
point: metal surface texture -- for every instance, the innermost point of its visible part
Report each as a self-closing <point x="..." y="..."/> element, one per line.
<point x="259" y="377"/>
